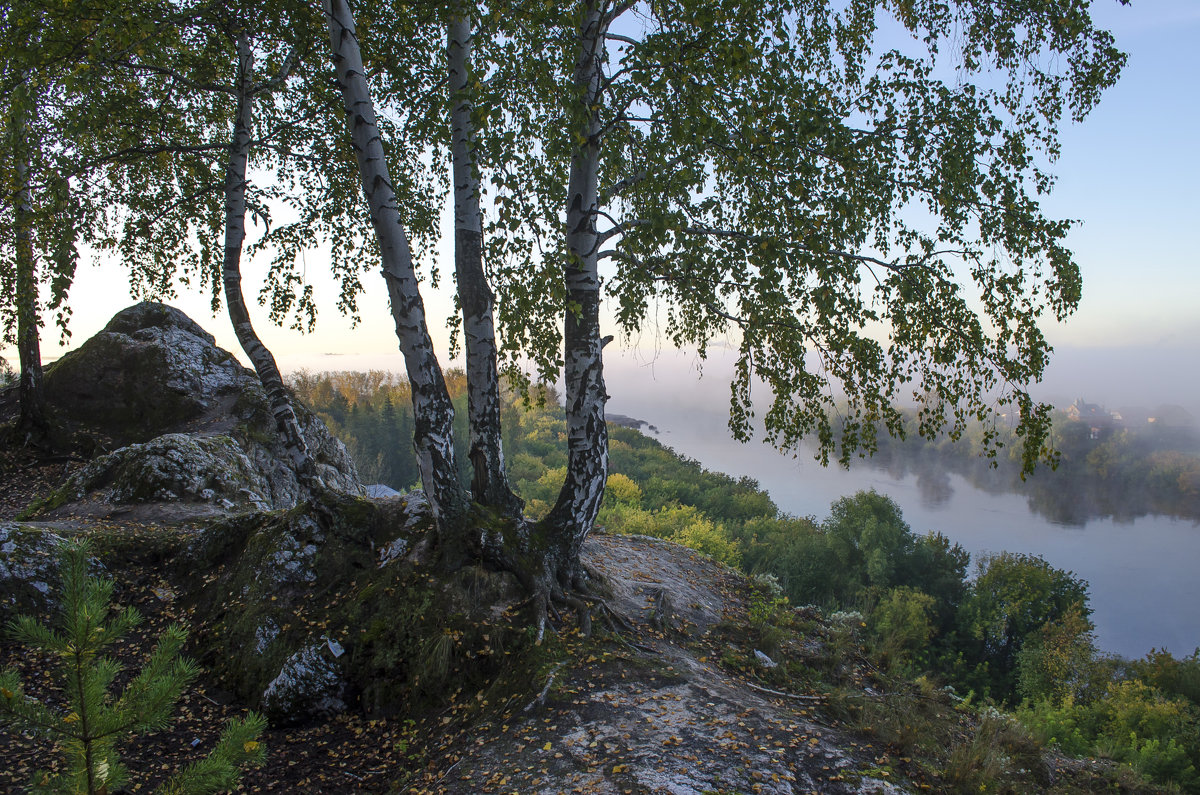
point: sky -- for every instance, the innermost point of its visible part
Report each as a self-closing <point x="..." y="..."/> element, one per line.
<point x="1130" y="173"/>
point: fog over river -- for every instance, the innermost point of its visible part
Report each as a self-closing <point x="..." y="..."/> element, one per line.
<point x="1142" y="573"/>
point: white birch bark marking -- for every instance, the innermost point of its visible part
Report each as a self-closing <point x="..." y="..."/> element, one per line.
<point x="489" y="484"/>
<point x="235" y="235"/>
<point x="433" y="412"/>
<point x="574" y="513"/>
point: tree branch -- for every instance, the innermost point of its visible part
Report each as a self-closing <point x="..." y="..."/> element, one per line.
<point x="285" y="69"/>
<point x="171" y="73"/>
<point x="624" y="184"/>
<point x="623" y="39"/>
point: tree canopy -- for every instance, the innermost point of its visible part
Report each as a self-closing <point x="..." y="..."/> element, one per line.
<point x="849" y="191"/>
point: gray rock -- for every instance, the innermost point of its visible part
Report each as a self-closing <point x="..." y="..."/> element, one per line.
<point x="28" y="568"/>
<point x="416" y="513"/>
<point x="379" y="491"/>
<point x="309" y="685"/>
<point x="150" y="369"/>
<point x="265" y="634"/>
<point x="176" y="467"/>
<point x="416" y="510"/>
<point x="762" y="659"/>
<point x="199" y="424"/>
<point x="30" y="576"/>
<point x="392" y="551"/>
<point x="292" y="563"/>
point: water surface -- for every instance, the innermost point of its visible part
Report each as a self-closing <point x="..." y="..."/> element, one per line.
<point x="1142" y="572"/>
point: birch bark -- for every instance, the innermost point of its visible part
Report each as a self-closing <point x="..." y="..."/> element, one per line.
<point x="574" y="513"/>
<point x="235" y="235"/>
<point x="489" y="483"/>
<point x="433" y="413"/>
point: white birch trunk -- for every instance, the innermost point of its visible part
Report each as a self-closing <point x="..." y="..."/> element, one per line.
<point x="574" y="513"/>
<point x="235" y="235"/>
<point x="433" y="412"/>
<point x="489" y="484"/>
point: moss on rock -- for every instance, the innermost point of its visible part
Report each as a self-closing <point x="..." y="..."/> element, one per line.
<point x="197" y="425"/>
<point x="171" y="468"/>
<point x="284" y="590"/>
<point x="29" y="570"/>
<point x="148" y="371"/>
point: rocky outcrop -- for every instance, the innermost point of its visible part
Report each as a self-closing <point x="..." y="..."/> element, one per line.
<point x="309" y="685"/>
<point x="176" y="467"/>
<point x="151" y="370"/>
<point x="195" y="425"/>
<point x="280" y="649"/>
<point x="30" y="560"/>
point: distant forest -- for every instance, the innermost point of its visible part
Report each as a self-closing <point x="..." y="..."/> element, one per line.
<point x="1123" y="468"/>
<point x="1017" y="632"/>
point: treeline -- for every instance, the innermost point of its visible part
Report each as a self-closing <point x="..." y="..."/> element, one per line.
<point x="1016" y="633"/>
<point x="1112" y="471"/>
<point x="371" y="412"/>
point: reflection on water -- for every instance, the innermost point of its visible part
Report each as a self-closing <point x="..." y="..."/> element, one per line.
<point x="935" y="488"/>
<point x="1059" y="497"/>
<point x="1141" y="566"/>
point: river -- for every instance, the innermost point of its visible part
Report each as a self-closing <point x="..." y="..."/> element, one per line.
<point x="1142" y="573"/>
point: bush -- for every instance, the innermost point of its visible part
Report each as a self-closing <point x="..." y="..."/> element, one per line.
<point x="620" y="488"/>
<point x="903" y="626"/>
<point x="1012" y="599"/>
<point x="710" y="538"/>
<point x="1133" y="723"/>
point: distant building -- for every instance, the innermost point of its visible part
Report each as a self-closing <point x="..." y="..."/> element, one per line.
<point x="1098" y="419"/>
<point x="1082" y="411"/>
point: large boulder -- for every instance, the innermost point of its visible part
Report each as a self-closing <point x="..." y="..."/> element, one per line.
<point x="196" y="426"/>
<point x="152" y="369"/>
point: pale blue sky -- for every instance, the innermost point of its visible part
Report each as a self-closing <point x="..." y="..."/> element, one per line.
<point x="1130" y="173"/>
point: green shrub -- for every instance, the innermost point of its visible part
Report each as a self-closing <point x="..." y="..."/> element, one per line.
<point x="710" y="538"/>
<point x="903" y="626"/>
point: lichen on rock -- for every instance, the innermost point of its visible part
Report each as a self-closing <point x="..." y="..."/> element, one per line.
<point x="308" y="685"/>
<point x="29" y="569"/>
<point x="176" y="467"/>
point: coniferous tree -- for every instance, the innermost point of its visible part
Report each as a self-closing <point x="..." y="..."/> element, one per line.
<point x="94" y="720"/>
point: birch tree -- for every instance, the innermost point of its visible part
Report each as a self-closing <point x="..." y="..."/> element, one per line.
<point x="201" y="93"/>
<point x="489" y="483"/>
<point x="44" y="214"/>
<point x="574" y="513"/>
<point x="235" y="233"/>
<point x="849" y="192"/>
<point x="433" y="412"/>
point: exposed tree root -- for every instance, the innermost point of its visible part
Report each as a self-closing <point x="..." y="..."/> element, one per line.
<point x="781" y="694"/>
<point x="541" y="697"/>
<point x="548" y="592"/>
